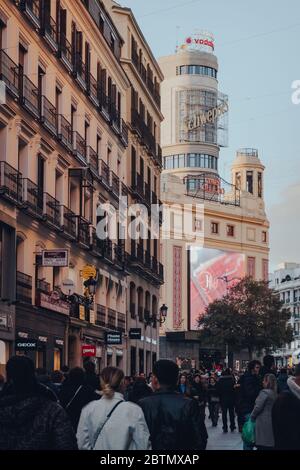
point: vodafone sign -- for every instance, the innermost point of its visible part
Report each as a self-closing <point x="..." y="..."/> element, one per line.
<point x="201" y="40"/>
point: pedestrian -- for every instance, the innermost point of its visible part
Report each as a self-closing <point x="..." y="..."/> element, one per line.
<point x="56" y="380"/>
<point x="268" y="366"/>
<point x="112" y="423"/>
<point x="183" y="386"/>
<point x="90" y="375"/>
<point x="250" y="386"/>
<point x="282" y="380"/>
<point x="199" y="393"/>
<point x="213" y="401"/>
<point x="226" y="390"/>
<point x="262" y="413"/>
<point x="174" y="421"/>
<point x="286" y="415"/>
<point x="75" y="393"/>
<point x="140" y="389"/>
<point x="29" y="420"/>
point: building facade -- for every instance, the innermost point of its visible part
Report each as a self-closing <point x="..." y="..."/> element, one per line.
<point x="227" y="235"/>
<point x="144" y="165"/>
<point x="64" y="150"/>
<point x="286" y="281"/>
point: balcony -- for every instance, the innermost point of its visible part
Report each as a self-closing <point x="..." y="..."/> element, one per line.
<point x="52" y="211"/>
<point x="137" y="123"/>
<point x="111" y="319"/>
<point x="121" y="322"/>
<point x="148" y="193"/>
<point x="79" y="148"/>
<point x="80" y="73"/>
<point x="138" y="186"/>
<point x="64" y="132"/>
<point x="115" y="119"/>
<point x="105" y="172"/>
<point x="107" y="250"/>
<point x="49" y="31"/>
<point x="30" y="97"/>
<point x="43" y="286"/>
<point x="11" y="183"/>
<point x="101" y="315"/>
<point x="119" y="255"/>
<point x="9" y="74"/>
<point x="148" y="259"/>
<point x="96" y="244"/>
<point x="84" y="232"/>
<point x="48" y="115"/>
<point x="124" y="134"/>
<point x="141" y="314"/>
<point x="92" y="159"/>
<point x="65" y="52"/>
<point x="147" y="316"/>
<point x="104" y="105"/>
<point x="115" y="184"/>
<point x="161" y="272"/>
<point x="69" y="223"/>
<point x="31" y="9"/>
<point x="24" y="288"/>
<point x="132" y="310"/>
<point x="154" y="265"/>
<point x="32" y="198"/>
<point x="158" y="155"/>
<point x="93" y="91"/>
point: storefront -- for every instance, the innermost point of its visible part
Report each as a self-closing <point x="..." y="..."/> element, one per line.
<point x="7" y="335"/>
<point x="48" y="328"/>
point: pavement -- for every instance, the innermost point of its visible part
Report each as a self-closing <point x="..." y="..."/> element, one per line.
<point x="217" y="440"/>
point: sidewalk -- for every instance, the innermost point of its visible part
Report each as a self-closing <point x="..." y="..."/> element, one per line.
<point x="217" y="440"/>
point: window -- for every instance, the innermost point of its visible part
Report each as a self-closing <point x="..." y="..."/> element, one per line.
<point x="215" y="228"/>
<point x="230" y="230"/>
<point x="251" y="267"/>
<point x="190" y="160"/>
<point x="198" y="225"/>
<point x="265" y="270"/>
<point x="259" y="185"/>
<point x="250" y="182"/>
<point x="264" y="237"/>
<point x="196" y="70"/>
<point x="238" y="180"/>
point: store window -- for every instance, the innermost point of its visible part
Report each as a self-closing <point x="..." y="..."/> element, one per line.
<point x="57" y="359"/>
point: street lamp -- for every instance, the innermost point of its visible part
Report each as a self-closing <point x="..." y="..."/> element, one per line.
<point x="90" y="288"/>
<point x="163" y="312"/>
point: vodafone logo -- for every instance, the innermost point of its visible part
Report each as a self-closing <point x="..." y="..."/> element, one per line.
<point x="197" y="41"/>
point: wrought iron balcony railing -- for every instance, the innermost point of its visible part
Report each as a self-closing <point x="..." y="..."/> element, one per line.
<point x="121" y="322"/>
<point x="68" y="223"/>
<point x="65" y="52"/>
<point x="52" y="210"/>
<point x="79" y="147"/>
<point x="11" y="183"/>
<point x="92" y="159"/>
<point x="49" y="31"/>
<point x="101" y="315"/>
<point x="33" y="198"/>
<point x="94" y="90"/>
<point x="105" y="172"/>
<point x="80" y="72"/>
<point x="124" y="133"/>
<point x="9" y="74"/>
<point x="64" y="132"/>
<point x="84" y="232"/>
<point x="111" y="318"/>
<point x="115" y="184"/>
<point x="43" y="286"/>
<point x="48" y="115"/>
<point x="31" y="9"/>
<point x="24" y="287"/>
<point x="30" y="96"/>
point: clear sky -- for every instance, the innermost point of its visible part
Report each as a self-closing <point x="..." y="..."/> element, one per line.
<point x="257" y="43"/>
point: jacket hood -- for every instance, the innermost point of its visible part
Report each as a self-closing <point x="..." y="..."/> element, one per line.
<point x="294" y="388"/>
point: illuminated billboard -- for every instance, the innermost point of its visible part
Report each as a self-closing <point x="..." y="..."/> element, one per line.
<point x="212" y="272"/>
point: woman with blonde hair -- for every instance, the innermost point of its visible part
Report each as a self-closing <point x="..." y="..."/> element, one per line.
<point x="262" y="414"/>
<point x="112" y="423"/>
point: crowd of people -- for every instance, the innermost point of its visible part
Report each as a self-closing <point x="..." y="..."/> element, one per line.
<point x="77" y="409"/>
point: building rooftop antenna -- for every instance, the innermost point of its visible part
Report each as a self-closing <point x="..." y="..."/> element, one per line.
<point x="177" y="38"/>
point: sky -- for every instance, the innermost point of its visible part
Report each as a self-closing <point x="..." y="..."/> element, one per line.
<point x="257" y="43"/>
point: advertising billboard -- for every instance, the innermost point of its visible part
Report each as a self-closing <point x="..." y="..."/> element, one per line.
<point x="212" y="272"/>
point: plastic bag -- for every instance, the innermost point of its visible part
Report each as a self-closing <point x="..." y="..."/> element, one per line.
<point x="248" y="432"/>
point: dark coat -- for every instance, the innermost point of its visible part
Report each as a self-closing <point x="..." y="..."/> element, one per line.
<point x="212" y="394"/>
<point x="225" y="387"/>
<point x="250" y="386"/>
<point x="286" y="421"/>
<point x="34" y="423"/>
<point x="85" y="395"/>
<point x="92" y="380"/>
<point x="198" y="390"/>
<point x="174" y="421"/>
<point x="282" y="382"/>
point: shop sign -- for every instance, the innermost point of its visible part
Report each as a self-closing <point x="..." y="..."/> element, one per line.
<point x="3" y="320"/>
<point x="209" y="116"/>
<point x="88" y="350"/>
<point x="135" y="333"/>
<point x="82" y="312"/>
<point x="92" y="317"/>
<point x="26" y="345"/>
<point x="53" y="258"/>
<point x="113" y="338"/>
<point x="59" y="342"/>
<point x="43" y="339"/>
<point x="23" y="335"/>
<point x="68" y="287"/>
<point x="53" y="302"/>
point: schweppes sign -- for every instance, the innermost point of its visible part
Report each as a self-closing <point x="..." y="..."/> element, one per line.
<point x="207" y="117"/>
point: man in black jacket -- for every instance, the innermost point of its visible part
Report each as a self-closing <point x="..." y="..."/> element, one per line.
<point x="225" y="388"/>
<point x="174" y="421"/>
<point x="286" y="415"/>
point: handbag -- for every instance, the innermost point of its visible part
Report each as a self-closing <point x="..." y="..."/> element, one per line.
<point x="98" y="432"/>
<point x="248" y="432"/>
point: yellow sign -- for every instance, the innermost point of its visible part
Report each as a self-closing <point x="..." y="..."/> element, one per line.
<point x="88" y="271"/>
<point x="82" y="312"/>
<point x="92" y="317"/>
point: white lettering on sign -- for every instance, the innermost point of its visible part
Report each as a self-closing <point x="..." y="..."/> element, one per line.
<point x="210" y="116"/>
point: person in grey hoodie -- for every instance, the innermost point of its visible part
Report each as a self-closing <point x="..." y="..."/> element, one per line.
<point x="262" y="414"/>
